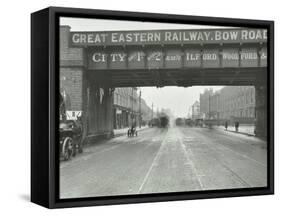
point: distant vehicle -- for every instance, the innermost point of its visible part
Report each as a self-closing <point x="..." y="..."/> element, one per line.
<point x="199" y="122"/>
<point x="154" y="122"/>
<point x="189" y="122"/>
<point x="180" y="121"/>
<point x="164" y="121"/>
<point x="210" y="122"/>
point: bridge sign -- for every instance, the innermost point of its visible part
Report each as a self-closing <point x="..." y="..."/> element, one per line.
<point x="168" y="58"/>
<point x="197" y="36"/>
<point x="173" y="49"/>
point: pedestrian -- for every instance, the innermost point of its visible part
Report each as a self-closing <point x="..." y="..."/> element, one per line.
<point x="236" y="126"/>
<point x="226" y="125"/>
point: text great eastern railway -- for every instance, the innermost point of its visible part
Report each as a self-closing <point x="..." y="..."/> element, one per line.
<point x="168" y="37"/>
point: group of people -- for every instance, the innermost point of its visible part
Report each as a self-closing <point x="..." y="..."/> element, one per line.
<point x="236" y="125"/>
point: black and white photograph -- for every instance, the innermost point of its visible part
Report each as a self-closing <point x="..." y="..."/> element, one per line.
<point x="150" y="107"/>
<point x="140" y="108"/>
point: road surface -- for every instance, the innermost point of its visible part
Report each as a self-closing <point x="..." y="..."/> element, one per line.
<point x="166" y="160"/>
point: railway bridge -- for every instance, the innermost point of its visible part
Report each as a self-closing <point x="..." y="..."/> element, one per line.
<point x="92" y="64"/>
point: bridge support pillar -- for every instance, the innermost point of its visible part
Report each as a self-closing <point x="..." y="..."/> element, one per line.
<point x="261" y="111"/>
<point x="98" y="112"/>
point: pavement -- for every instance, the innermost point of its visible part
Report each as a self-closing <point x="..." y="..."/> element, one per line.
<point x="166" y="160"/>
<point x="243" y="129"/>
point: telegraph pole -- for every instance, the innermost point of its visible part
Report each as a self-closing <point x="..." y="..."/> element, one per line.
<point x="140" y="109"/>
<point x="132" y="115"/>
<point x="209" y="105"/>
<point x="152" y="112"/>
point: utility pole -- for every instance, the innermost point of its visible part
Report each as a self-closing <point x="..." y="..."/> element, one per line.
<point x="152" y="112"/>
<point x="209" y="105"/>
<point x="140" y="109"/>
<point x="157" y="112"/>
<point x="132" y="107"/>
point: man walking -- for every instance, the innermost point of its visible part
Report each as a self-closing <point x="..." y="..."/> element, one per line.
<point x="226" y="125"/>
<point x="236" y="126"/>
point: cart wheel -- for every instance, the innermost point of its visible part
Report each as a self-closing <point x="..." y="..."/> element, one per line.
<point x="67" y="148"/>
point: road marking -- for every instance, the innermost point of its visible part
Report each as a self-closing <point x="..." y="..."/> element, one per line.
<point x="198" y="176"/>
<point x="153" y="164"/>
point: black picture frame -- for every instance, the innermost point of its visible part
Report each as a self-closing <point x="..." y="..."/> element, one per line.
<point x="44" y="109"/>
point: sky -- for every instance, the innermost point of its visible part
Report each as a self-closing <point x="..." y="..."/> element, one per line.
<point x="178" y="99"/>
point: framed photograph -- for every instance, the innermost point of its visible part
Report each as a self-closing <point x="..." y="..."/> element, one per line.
<point x="138" y="107"/>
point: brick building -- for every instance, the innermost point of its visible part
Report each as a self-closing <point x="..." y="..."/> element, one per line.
<point x="102" y="108"/>
<point x="129" y="108"/>
<point x="146" y="112"/>
<point x="228" y="103"/>
<point x="195" y="110"/>
<point x="126" y="107"/>
<point x="238" y="102"/>
<point x="205" y="103"/>
<point x="81" y="93"/>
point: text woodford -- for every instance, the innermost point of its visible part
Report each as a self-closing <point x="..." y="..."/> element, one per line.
<point x="174" y="36"/>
